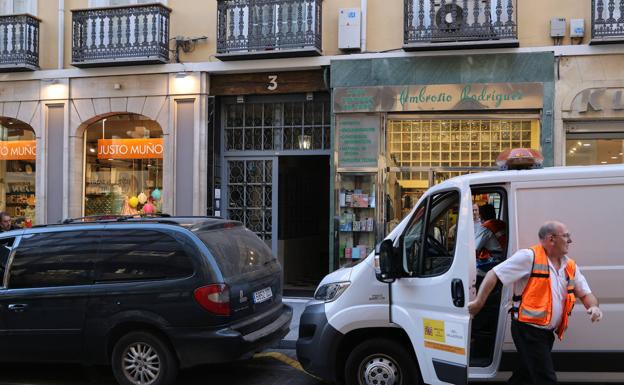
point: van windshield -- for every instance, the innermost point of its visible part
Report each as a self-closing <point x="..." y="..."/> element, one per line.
<point x="237" y="251"/>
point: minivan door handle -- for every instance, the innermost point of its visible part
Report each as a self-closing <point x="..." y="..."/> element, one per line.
<point x="17" y="307"/>
<point x="457" y="292"/>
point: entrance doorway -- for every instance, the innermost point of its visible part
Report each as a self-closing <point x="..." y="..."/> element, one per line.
<point x="303" y="223"/>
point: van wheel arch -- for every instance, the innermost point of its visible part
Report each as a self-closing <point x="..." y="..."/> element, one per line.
<point x="123" y="329"/>
<point x="357" y="337"/>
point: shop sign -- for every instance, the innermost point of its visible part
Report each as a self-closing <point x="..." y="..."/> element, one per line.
<point x="598" y="102"/>
<point x="358" y="140"/>
<point x="130" y="148"/>
<point x="18" y="150"/>
<point x="267" y="83"/>
<point x="439" y="97"/>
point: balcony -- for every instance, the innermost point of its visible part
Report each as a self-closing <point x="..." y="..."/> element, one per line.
<point x="258" y="29"/>
<point x="19" y="43"/>
<point x="607" y="21"/>
<point x="125" y="35"/>
<point x="447" y="24"/>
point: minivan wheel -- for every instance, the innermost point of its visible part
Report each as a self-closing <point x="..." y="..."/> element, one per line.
<point x="381" y="362"/>
<point x="141" y="358"/>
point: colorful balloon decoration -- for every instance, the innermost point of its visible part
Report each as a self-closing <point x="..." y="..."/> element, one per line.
<point x="142" y="198"/>
<point x="133" y="202"/>
<point x="156" y="194"/>
<point x="148" y="208"/>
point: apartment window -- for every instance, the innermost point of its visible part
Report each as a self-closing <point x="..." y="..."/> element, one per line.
<point x="115" y="3"/>
<point x="13" y="7"/>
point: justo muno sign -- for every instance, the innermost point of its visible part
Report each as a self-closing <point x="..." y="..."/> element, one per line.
<point x="130" y="148"/>
<point x="18" y="150"/>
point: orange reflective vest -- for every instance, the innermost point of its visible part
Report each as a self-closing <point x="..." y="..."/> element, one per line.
<point x="499" y="230"/>
<point x="536" y="299"/>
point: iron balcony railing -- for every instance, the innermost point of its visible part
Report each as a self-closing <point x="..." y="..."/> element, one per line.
<point x="607" y="21"/>
<point x="136" y="34"/>
<point x="19" y="43"/>
<point x="268" y="28"/>
<point x="430" y="24"/>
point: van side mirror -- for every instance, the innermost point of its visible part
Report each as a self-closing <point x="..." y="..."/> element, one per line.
<point x="390" y="262"/>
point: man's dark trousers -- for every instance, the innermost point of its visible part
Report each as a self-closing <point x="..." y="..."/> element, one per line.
<point x="535" y="364"/>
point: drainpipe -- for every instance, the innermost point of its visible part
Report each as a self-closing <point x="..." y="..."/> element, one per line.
<point x="61" y="34"/>
<point x="363" y="6"/>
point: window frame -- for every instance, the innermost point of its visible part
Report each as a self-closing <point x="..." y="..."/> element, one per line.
<point x="32" y="8"/>
<point x="503" y="214"/>
<point x="429" y="204"/>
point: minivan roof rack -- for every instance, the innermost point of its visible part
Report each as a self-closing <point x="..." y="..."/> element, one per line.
<point x="112" y="218"/>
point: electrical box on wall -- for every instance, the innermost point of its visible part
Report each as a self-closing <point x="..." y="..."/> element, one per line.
<point x="577" y="27"/>
<point x="557" y="27"/>
<point x="349" y="24"/>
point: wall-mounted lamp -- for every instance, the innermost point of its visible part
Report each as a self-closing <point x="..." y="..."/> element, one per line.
<point x="181" y="75"/>
<point x="50" y="81"/>
<point x="305" y="141"/>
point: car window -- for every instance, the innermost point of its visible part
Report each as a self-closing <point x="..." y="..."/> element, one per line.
<point x="137" y="254"/>
<point x="5" y="251"/>
<point x="429" y="241"/>
<point x="237" y="251"/>
<point x="54" y="259"/>
<point x="413" y="239"/>
<point x="440" y="240"/>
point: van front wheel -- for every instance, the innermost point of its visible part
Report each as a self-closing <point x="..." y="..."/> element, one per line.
<point x="381" y="362"/>
<point x="141" y="358"/>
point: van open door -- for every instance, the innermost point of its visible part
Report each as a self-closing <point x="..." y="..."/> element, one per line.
<point x="429" y="301"/>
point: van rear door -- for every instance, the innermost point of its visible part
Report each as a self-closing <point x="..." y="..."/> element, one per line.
<point x="250" y="270"/>
<point x="430" y="303"/>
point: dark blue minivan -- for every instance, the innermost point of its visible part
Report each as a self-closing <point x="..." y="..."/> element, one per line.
<point x="146" y="296"/>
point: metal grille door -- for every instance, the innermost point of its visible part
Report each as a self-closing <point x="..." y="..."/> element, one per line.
<point x="250" y="195"/>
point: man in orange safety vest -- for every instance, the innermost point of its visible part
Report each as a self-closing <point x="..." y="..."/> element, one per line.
<point x="546" y="283"/>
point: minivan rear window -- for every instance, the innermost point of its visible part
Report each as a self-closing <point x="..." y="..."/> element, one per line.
<point x="237" y="251"/>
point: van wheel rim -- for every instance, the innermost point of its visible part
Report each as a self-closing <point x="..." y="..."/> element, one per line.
<point x="141" y="364"/>
<point x="379" y="369"/>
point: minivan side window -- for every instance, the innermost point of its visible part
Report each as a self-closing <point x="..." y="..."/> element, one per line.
<point x="438" y="236"/>
<point x="54" y="259"/>
<point x="137" y="254"/>
<point x="5" y="251"/>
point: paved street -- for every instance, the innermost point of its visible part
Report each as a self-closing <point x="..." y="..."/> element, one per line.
<point x="277" y="365"/>
<point x="265" y="369"/>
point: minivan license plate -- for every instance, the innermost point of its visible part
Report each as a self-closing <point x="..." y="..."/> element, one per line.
<point x="263" y="295"/>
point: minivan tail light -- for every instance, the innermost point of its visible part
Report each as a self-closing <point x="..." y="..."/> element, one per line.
<point x="214" y="298"/>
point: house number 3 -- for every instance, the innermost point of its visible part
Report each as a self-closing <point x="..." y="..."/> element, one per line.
<point x="272" y="83"/>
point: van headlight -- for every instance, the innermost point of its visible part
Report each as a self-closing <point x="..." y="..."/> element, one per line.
<point x="331" y="291"/>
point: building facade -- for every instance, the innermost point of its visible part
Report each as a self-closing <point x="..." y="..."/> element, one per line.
<point x="317" y="124"/>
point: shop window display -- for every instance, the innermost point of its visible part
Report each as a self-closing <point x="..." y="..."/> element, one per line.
<point x="123" y="170"/>
<point x="17" y="171"/>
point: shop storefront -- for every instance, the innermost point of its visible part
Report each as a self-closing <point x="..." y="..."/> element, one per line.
<point x="123" y="166"/>
<point x="592" y="111"/>
<point x="393" y="141"/>
<point x="18" y="154"/>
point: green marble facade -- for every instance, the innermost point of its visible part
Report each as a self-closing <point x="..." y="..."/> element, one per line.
<point x="449" y="69"/>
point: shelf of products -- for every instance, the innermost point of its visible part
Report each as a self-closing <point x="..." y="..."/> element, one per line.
<point x="357" y="216"/>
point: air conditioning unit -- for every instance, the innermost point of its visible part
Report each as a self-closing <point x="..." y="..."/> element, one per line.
<point x="449" y="17"/>
<point x="349" y="29"/>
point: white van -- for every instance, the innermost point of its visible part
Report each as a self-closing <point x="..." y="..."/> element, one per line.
<point x="407" y="322"/>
